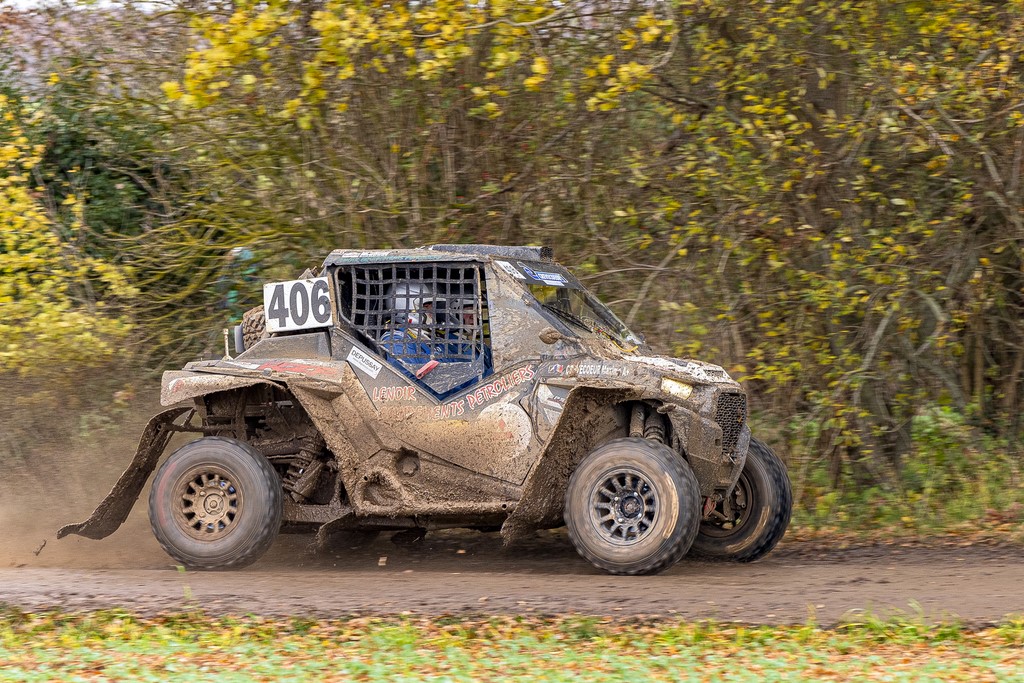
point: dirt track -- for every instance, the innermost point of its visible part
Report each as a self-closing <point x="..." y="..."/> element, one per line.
<point x="48" y="482"/>
<point x="456" y="572"/>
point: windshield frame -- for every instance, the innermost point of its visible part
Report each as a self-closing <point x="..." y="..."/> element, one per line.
<point x="529" y="274"/>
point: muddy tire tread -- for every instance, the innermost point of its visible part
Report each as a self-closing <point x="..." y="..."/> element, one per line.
<point x="266" y="533"/>
<point x="774" y="528"/>
<point x="689" y="510"/>
<point x="254" y="326"/>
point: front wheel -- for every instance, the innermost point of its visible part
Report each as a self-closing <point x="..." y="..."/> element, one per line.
<point x="215" y="503"/>
<point x="753" y="518"/>
<point x="632" y="507"/>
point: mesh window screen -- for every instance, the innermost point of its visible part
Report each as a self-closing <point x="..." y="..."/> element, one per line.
<point x="420" y="312"/>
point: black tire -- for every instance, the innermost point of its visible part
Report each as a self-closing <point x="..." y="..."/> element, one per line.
<point x="240" y="496"/>
<point x="762" y="502"/>
<point x="632" y="507"/>
<point x="254" y="326"/>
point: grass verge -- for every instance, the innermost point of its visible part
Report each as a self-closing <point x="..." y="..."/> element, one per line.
<point x="115" y="645"/>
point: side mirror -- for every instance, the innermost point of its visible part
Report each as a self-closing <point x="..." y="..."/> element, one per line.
<point x="550" y="335"/>
<point x="238" y="338"/>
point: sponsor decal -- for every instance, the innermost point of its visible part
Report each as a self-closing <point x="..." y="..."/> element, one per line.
<point x="364" y="362"/>
<point x="510" y="269"/>
<point x="484" y="393"/>
<point x="386" y="394"/>
<point x="499" y="386"/>
<point x="554" y="369"/>
<point x="553" y="279"/>
<point x="451" y="409"/>
<point x="590" y="369"/>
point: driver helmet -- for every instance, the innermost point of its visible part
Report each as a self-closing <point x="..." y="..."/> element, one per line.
<point x="414" y="303"/>
<point x="465" y="310"/>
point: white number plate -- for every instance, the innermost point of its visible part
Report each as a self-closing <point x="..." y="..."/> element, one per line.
<point x="297" y="305"/>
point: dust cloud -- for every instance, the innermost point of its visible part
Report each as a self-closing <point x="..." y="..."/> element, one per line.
<point x="60" y="453"/>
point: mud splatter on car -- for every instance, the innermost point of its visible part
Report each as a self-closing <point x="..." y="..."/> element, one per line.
<point x="451" y="386"/>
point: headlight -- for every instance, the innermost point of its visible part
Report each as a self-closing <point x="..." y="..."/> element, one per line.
<point x="674" y="387"/>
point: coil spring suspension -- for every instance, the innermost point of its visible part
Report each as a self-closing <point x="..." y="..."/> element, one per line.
<point x="654" y="429"/>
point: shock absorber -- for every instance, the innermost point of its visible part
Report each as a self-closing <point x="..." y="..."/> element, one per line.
<point x="654" y="428"/>
<point x="646" y="423"/>
<point x="637" y="419"/>
<point x="304" y="470"/>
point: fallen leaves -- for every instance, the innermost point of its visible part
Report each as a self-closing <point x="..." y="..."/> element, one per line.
<point x="115" y="645"/>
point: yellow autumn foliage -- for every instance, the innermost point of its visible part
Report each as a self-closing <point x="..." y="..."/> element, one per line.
<point x="55" y="302"/>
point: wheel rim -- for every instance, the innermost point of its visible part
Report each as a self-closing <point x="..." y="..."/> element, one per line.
<point x="743" y="499"/>
<point x="624" y="507"/>
<point x="208" y="503"/>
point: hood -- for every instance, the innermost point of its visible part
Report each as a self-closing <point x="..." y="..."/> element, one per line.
<point x="698" y="371"/>
<point x="645" y="370"/>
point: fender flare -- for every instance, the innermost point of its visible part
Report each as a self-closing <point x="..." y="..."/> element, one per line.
<point x="114" y="509"/>
<point x="178" y="386"/>
<point x="185" y="385"/>
<point x="543" y="496"/>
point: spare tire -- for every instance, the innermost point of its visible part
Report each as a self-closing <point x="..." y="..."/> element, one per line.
<point x="254" y="326"/>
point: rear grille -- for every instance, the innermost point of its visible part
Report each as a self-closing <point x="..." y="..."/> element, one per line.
<point x="730" y="416"/>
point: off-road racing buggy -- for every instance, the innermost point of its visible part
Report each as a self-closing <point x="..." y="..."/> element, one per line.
<point x="451" y="386"/>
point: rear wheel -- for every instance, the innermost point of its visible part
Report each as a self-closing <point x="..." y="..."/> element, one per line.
<point x="752" y="520"/>
<point x="632" y="507"/>
<point x="215" y="503"/>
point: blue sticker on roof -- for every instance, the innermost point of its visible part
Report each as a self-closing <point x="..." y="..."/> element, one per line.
<point x="553" y="279"/>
